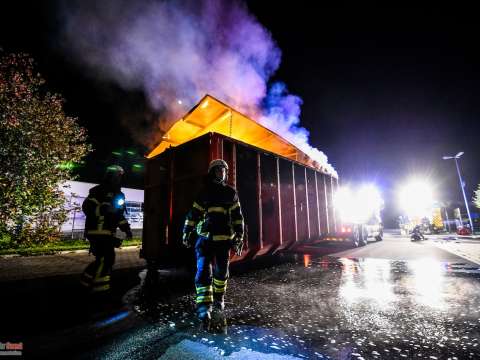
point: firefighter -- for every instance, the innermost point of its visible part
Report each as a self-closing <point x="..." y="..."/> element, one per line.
<point x="215" y="224"/>
<point x="104" y="209"/>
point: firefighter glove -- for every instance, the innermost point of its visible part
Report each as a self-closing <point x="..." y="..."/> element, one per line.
<point x="188" y="239"/>
<point x="238" y="245"/>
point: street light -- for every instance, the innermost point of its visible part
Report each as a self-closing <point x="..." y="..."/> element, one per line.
<point x="462" y="184"/>
<point x="416" y="198"/>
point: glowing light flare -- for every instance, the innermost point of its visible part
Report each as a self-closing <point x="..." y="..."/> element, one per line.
<point x="67" y="165"/>
<point x="358" y="206"/>
<point x="112" y="319"/>
<point x="307" y="261"/>
<point x="416" y="198"/>
<point x="428" y="281"/>
<point x="346" y="207"/>
<point x="369" y="196"/>
<point x="369" y="280"/>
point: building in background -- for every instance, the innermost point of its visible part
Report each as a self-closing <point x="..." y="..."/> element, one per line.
<point x="76" y="192"/>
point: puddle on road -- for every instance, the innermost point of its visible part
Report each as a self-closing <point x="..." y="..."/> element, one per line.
<point x="337" y="308"/>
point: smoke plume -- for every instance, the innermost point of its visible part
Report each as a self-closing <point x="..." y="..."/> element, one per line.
<point x="177" y="51"/>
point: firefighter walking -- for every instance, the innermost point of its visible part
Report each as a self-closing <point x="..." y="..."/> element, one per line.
<point x="216" y="217"/>
<point x="104" y="209"/>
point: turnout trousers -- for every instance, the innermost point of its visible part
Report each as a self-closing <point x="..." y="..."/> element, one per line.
<point x="210" y="254"/>
<point x="96" y="276"/>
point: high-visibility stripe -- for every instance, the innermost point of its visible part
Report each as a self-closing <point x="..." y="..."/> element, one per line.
<point x="219" y="282"/>
<point x="101" y="288"/>
<point x="217" y="209"/>
<point x="219" y="286"/>
<point x="195" y="205"/>
<point x="123" y="222"/>
<point x="205" y="294"/>
<point x="97" y="210"/>
<point x="238" y="222"/>
<point x="204" y="299"/>
<point x="204" y="288"/>
<point x="222" y="237"/>
<point x="102" y="279"/>
<point x="99" y="232"/>
<point x="190" y="223"/>
<point x="100" y="268"/>
<point x="234" y="206"/>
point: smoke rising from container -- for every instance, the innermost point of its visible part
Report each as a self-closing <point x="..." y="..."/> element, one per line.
<point x="178" y="51"/>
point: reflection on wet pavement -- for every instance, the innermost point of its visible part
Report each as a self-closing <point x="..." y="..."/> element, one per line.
<point x="334" y="308"/>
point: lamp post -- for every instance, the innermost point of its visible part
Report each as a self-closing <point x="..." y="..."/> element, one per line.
<point x="462" y="184"/>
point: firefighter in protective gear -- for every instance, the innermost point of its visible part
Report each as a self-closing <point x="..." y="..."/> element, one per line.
<point x="104" y="209"/>
<point x="216" y="217"/>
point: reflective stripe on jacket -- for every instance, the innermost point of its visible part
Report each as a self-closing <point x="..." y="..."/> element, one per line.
<point x="104" y="209"/>
<point x="216" y="213"/>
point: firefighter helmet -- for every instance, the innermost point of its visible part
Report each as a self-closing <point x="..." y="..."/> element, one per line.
<point x="217" y="162"/>
<point x="115" y="169"/>
<point x="113" y="175"/>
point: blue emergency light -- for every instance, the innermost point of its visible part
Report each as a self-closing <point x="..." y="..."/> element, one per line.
<point x="118" y="202"/>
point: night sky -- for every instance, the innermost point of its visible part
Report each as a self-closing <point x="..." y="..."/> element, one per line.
<point x="387" y="91"/>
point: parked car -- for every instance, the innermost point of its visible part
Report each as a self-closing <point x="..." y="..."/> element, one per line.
<point x="464" y="231"/>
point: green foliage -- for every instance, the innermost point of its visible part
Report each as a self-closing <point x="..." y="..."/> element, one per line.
<point x="476" y="197"/>
<point x="37" y="140"/>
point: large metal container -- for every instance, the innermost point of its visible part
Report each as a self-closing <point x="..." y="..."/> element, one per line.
<point x="283" y="201"/>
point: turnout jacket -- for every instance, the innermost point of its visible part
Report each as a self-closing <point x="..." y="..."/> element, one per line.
<point x="104" y="209"/>
<point x="216" y="213"/>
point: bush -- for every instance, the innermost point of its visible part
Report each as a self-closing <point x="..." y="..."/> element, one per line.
<point x="38" y="144"/>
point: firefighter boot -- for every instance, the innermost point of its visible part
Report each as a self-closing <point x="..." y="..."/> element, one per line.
<point x="204" y="315"/>
<point x="219" y="287"/>
<point x="218" y="323"/>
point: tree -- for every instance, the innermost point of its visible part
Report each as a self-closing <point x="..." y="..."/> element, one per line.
<point x="38" y="145"/>
<point x="476" y="197"/>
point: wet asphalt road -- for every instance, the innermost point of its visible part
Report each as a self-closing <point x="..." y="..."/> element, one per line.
<point x="389" y="300"/>
<point x="368" y="303"/>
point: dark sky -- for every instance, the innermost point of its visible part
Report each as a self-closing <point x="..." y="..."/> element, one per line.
<point x="386" y="91"/>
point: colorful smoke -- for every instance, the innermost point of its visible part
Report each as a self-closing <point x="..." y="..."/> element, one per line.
<point x="178" y="51"/>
